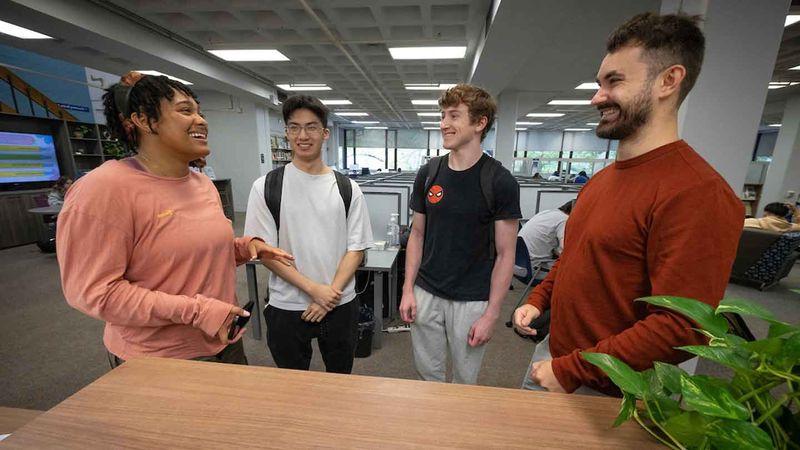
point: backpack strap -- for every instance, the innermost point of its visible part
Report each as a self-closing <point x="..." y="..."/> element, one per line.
<point x="273" y="187"/>
<point x="345" y="190"/>
<point x="488" y="171"/>
<point x="434" y="165"/>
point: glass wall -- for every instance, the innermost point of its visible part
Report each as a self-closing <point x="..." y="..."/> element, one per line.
<point x="412" y="148"/>
<point x="565" y="152"/>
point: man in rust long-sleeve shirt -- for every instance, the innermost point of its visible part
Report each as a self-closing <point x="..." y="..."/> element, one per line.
<point x="659" y="221"/>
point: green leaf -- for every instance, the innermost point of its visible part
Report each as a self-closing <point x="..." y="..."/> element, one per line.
<point x="777" y="329"/>
<point x="789" y="355"/>
<point x="768" y="347"/>
<point x="738" y="435"/>
<point x="711" y="397"/>
<point x="660" y="408"/>
<point x="745" y="308"/>
<point x="626" y="410"/>
<point x="696" y="310"/>
<point x="730" y="357"/>
<point x="627" y="379"/>
<point x="669" y="376"/>
<point x="687" y="427"/>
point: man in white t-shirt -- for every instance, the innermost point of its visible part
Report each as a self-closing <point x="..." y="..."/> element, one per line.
<point x="544" y="237"/>
<point x="327" y="236"/>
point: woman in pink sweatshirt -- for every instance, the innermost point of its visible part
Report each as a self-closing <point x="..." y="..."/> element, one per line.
<point x="143" y="243"/>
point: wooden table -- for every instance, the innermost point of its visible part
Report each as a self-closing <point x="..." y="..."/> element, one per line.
<point x="13" y="418"/>
<point x="159" y="403"/>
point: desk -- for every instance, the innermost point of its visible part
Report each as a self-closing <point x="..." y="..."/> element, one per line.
<point x="380" y="262"/>
<point x="13" y="418"/>
<point x="161" y="403"/>
<point x="46" y="229"/>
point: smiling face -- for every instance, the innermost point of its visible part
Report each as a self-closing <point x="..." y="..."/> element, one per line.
<point x="625" y="98"/>
<point x="458" y="129"/>
<point x="181" y="128"/>
<point x="306" y="133"/>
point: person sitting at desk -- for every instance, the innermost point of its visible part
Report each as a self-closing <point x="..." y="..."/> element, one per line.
<point x="775" y="218"/>
<point x="143" y="243"/>
<point x="544" y="237"/>
<point x="582" y="178"/>
<point x="55" y="197"/>
<point x="556" y="176"/>
<point x="321" y="217"/>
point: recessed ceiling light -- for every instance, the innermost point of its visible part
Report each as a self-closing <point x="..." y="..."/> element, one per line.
<point x="529" y="123"/>
<point x="521" y="129"/>
<point x="776" y="125"/>
<point x="424" y="102"/>
<point x="351" y="114"/>
<point x="592" y="124"/>
<point x="795" y="68"/>
<point x="250" y="55"/>
<point x="158" y="74"/>
<point x="577" y="129"/>
<point x="336" y="102"/>
<point x="429" y="87"/>
<point x="364" y="122"/>
<point x="19" y="32"/>
<point x="430" y="123"/>
<point x="588" y="86"/>
<point x="376" y="128"/>
<point x="431" y="128"/>
<point x="428" y="52"/>
<point x="545" y="115"/>
<point x="781" y="84"/>
<point x="791" y="19"/>
<point x="304" y="87"/>
<point x="429" y="114"/>
<point x="569" y="102"/>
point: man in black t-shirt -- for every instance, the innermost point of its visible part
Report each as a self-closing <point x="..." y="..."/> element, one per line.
<point x="460" y="255"/>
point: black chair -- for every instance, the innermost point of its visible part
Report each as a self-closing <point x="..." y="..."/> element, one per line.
<point x="523" y="259"/>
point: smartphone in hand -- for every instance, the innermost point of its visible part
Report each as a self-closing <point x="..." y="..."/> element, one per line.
<point x="240" y="321"/>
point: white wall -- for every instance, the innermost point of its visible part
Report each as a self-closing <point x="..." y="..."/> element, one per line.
<point x="237" y="135"/>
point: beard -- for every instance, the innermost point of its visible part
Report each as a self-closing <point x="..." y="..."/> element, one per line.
<point x="631" y="117"/>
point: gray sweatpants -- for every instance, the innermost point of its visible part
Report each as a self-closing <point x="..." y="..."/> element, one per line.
<point x="542" y="353"/>
<point x="441" y="324"/>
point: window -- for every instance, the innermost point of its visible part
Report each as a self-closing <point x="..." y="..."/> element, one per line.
<point x="412" y="148"/>
<point x="370" y="149"/>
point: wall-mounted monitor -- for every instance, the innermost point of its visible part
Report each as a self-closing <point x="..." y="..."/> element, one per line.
<point x="27" y="160"/>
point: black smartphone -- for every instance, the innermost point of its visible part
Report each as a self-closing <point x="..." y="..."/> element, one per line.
<point x="240" y="321"/>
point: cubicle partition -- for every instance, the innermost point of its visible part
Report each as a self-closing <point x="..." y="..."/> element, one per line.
<point x="552" y="199"/>
<point x="381" y="205"/>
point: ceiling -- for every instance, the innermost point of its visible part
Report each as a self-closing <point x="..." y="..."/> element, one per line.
<point x="536" y="49"/>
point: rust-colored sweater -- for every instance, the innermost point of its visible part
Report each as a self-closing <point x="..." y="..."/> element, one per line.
<point x="663" y="223"/>
<point x="153" y="257"/>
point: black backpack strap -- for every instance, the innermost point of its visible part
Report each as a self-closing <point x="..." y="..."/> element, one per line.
<point x="487" y="189"/>
<point x="273" y="187"/>
<point x="345" y="190"/>
<point x="434" y="165"/>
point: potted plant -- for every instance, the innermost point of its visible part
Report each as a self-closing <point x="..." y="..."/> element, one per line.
<point x="81" y="131"/>
<point x="757" y="407"/>
<point x="114" y="149"/>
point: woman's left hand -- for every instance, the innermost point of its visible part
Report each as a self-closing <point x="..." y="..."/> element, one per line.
<point x="260" y="250"/>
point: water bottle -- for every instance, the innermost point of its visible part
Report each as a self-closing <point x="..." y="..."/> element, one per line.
<point x="393" y="231"/>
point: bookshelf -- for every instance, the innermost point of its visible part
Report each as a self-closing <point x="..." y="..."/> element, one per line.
<point x="281" y="154"/>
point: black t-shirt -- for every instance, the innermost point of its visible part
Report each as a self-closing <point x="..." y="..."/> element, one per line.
<point x="456" y="263"/>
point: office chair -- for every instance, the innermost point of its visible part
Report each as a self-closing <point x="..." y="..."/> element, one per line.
<point x="522" y="259"/>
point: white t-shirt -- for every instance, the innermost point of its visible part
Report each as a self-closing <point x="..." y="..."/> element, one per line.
<point x="542" y="234"/>
<point x="313" y="229"/>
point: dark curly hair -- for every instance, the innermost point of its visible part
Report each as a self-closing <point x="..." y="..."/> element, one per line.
<point x="137" y="93"/>
<point x="666" y="40"/>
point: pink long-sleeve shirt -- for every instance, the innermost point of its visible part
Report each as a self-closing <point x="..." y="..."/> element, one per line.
<point x="153" y="257"/>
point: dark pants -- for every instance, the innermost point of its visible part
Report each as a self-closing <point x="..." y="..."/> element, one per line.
<point x="289" y="337"/>
<point x="232" y="354"/>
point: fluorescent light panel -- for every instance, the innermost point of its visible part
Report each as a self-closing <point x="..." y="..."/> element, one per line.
<point x="429" y="87"/>
<point x="588" y="86"/>
<point x="304" y="87"/>
<point x="250" y="55"/>
<point x="157" y="74"/>
<point x="365" y="122"/>
<point x="781" y="84"/>
<point x="521" y="129"/>
<point x="593" y="124"/>
<point x="429" y="114"/>
<point x="430" y="128"/>
<point x="351" y="114"/>
<point x="20" y="32"/>
<point x="424" y="102"/>
<point x="577" y="129"/>
<point x="428" y="52"/>
<point x="569" y="102"/>
<point x="430" y="123"/>
<point x="376" y="128"/>
<point x="776" y="125"/>
<point x="545" y="115"/>
<point x="791" y="19"/>
<point x="333" y="102"/>
<point x="529" y="123"/>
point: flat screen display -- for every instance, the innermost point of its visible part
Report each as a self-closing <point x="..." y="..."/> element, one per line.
<point x="27" y="158"/>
